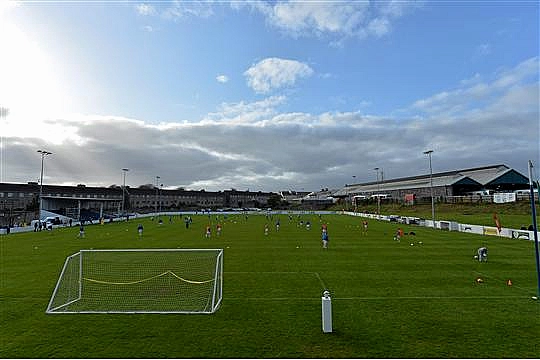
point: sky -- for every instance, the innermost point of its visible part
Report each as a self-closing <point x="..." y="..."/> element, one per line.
<point x="265" y="95"/>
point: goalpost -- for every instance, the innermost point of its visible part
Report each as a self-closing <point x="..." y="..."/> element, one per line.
<point x="183" y="281"/>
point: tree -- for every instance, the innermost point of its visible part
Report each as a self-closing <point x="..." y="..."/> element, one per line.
<point x="34" y="204"/>
<point x="147" y="186"/>
<point x="274" y="201"/>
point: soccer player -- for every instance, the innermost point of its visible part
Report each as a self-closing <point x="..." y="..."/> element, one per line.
<point x="218" y="229"/>
<point x="81" y="231"/>
<point x="482" y="253"/>
<point x="140" y="230"/>
<point x="325" y="240"/>
<point x="277" y="225"/>
<point x="208" y="232"/>
<point x="364" y="227"/>
<point x="266" y="229"/>
<point x="399" y="235"/>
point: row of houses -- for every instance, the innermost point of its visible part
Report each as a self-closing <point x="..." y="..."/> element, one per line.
<point x="71" y="201"/>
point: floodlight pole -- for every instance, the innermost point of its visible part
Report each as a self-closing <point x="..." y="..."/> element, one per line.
<point x="157" y="189"/>
<point x="43" y="154"/>
<point x="160" y="193"/>
<point x="353" y="198"/>
<point x="378" y="191"/>
<point x="124" y="170"/>
<point x="429" y="152"/>
<point x="535" y="228"/>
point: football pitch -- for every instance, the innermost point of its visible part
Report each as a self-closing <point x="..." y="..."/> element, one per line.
<point x="417" y="298"/>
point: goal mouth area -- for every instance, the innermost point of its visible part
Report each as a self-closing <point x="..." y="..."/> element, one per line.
<point x="139" y="281"/>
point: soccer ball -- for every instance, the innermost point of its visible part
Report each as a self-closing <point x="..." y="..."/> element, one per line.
<point x="479" y="280"/>
<point x="476" y="256"/>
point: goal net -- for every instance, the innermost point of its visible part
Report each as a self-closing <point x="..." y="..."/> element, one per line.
<point x="182" y="281"/>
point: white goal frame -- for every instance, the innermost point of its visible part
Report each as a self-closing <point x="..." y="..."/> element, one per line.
<point x="72" y="291"/>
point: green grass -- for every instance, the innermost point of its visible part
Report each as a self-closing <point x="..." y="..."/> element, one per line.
<point x="512" y="215"/>
<point x="390" y="300"/>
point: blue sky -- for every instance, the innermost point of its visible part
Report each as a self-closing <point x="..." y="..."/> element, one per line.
<point x="269" y="95"/>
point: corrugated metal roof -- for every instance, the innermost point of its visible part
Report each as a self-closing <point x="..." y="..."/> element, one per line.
<point x="482" y="175"/>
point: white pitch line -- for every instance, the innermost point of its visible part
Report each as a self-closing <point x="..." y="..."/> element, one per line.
<point x="268" y="272"/>
<point x="430" y="298"/>
<point x="272" y="299"/>
<point x="281" y="272"/>
<point x="379" y="298"/>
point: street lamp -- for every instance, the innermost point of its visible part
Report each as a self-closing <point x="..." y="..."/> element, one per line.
<point x="43" y="154"/>
<point x="124" y="170"/>
<point x="353" y="198"/>
<point x="157" y="189"/>
<point x="378" y="192"/>
<point x="428" y="152"/>
<point x="160" y="192"/>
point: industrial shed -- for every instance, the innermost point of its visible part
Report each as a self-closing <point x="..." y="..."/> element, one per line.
<point x="445" y="184"/>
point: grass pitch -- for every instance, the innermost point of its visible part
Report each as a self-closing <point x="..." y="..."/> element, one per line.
<point x="389" y="299"/>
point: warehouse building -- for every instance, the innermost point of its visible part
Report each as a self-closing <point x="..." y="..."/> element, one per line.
<point x="475" y="181"/>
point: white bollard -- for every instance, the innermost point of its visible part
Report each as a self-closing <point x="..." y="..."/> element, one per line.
<point x="326" y="312"/>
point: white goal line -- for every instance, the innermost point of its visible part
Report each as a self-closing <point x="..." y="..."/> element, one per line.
<point x="316" y="274"/>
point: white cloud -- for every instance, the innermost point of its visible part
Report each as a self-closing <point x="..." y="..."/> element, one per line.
<point x="145" y="9"/>
<point x="335" y="18"/>
<point x="473" y="93"/>
<point x="181" y="9"/>
<point x="378" y="27"/>
<point x="300" y="17"/>
<point x="482" y="50"/>
<point x="254" y="113"/>
<point x="275" y="73"/>
<point x="222" y="78"/>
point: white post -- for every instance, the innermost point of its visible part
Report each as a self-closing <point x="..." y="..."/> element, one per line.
<point x="326" y="312"/>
